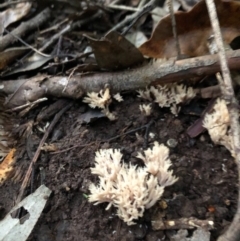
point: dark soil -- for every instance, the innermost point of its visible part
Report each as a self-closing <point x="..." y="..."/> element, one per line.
<point x="206" y="189"/>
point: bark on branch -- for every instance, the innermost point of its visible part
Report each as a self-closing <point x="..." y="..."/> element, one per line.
<point x="156" y="72"/>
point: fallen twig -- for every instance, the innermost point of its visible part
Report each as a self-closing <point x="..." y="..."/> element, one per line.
<point x="156" y="72"/>
<point x="122" y="7"/>
<point x="24" y="28"/>
<point x="174" y="27"/>
<point x="183" y="223"/>
<point x="233" y="232"/>
<point x="27" y="105"/>
<point x="135" y="16"/>
<point x="27" y="45"/>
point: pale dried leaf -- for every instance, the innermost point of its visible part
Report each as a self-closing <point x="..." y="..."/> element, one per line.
<point x="12" y="229"/>
<point x="12" y="15"/>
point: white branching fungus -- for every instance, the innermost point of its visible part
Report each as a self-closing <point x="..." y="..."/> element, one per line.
<point x="217" y="124"/>
<point x="145" y="94"/>
<point x="157" y="163"/>
<point x="162" y="95"/>
<point x="146" y="109"/>
<point x="152" y="135"/>
<point x="118" y="97"/>
<point x="101" y="100"/>
<point x="168" y="95"/>
<point x="130" y="188"/>
<point x="182" y="93"/>
<point x="109" y="114"/>
<point x="175" y="109"/>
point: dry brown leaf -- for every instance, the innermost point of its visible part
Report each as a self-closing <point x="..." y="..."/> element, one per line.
<point x="12" y="15"/>
<point x="193" y="30"/>
<point x="115" y="52"/>
<point x="33" y="62"/>
<point x="6" y="165"/>
<point x="160" y="12"/>
<point x="10" y="55"/>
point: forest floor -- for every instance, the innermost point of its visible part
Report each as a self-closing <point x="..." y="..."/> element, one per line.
<point x="206" y="189"/>
<point x="207" y="174"/>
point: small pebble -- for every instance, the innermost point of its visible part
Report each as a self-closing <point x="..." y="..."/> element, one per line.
<point x="172" y="143"/>
<point x="202" y="138"/>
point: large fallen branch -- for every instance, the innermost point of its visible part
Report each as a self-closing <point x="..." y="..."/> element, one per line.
<point x="157" y="72"/>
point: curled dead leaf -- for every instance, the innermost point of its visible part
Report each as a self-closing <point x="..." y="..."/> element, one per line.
<point x="12" y="15"/>
<point x="8" y="56"/>
<point x="193" y="29"/>
<point x="115" y="52"/>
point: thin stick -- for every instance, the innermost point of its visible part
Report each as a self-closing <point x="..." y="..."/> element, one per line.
<point x="31" y="104"/>
<point x="37" y="153"/>
<point x="28" y="45"/>
<point x="56" y="37"/>
<point x="122" y="7"/>
<point x="233" y="232"/>
<point x="182" y="223"/>
<point x="142" y="3"/>
<point x="24" y="28"/>
<point x="55" y="27"/>
<point x="139" y="15"/>
<point x="174" y="27"/>
<point x="148" y="7"/>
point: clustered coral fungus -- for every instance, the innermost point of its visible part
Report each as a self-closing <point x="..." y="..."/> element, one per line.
<point x="102" y="100"/>
<point x="168" y="95"/>
<point x="130" y="188"/>
<point x="218" y="125"/>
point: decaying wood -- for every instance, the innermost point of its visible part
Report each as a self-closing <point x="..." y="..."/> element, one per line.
<point x="156" y="72"/>
<point x="183" y="223"/>
<point x="51" y="110"/>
